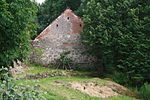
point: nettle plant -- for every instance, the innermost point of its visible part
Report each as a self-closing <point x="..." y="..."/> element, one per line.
<point x="64" y="61"/>
<point x="9" y="90"/>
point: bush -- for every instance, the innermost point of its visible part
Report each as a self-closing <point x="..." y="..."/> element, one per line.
<point x="117" y="33"/>
<point x="64" y="61"/>
<point x="144" y="92"/>
<point x="121" y="78"/>
<point x="10" y="91"/>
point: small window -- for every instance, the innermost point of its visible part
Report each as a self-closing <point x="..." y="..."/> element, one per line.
<point x="80" y="25"/>
<point x="68" y="18"/>
<point x="57" y="25"/>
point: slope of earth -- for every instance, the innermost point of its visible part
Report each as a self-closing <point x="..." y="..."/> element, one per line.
<point x="60" y="84"/>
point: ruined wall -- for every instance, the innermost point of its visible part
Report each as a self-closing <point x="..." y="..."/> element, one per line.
<point x="62" y="35"/>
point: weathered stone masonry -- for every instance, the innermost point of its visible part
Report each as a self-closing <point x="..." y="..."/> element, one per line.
<point x="61" y="35"/>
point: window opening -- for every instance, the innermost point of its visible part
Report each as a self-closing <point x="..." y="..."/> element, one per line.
<point x="68" y="18"/>
<point x="80" y="25"/>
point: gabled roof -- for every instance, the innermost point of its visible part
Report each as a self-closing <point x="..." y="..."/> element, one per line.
<point x="67" y="12"/>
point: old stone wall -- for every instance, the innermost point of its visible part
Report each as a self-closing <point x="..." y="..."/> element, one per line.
<point x="60" y="36"/>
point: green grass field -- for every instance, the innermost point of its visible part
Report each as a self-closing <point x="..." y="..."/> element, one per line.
<point x="52" y="91"/>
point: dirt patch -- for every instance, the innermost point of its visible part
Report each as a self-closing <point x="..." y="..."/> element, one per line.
<point x="121" y="89"/>
<point x="95" y="89"/>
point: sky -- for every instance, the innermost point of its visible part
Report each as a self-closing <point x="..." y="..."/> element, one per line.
<point x="40" y="1"/>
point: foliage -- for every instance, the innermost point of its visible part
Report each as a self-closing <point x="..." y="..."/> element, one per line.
<point x="121" y="78"/>
<point x="64" y="61"/>
<point x="82" y="6"/>
<point x="144" y="92"/>
<point x="51" y="9"/>
<point x="10" y="91"/>
<point x="117" y="32"/>
<point x="16" y="26"/>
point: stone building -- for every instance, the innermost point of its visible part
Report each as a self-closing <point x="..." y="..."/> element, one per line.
<point x="60" y="36"/>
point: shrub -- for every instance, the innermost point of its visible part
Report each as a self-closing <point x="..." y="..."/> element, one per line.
<point x="10" y="91"/>
<point x="64" y="61"/>
<point x="144" y="92"/>
<point x="121" y="78"/>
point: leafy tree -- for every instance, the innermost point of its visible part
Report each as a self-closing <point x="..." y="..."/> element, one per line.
<point x="117" y="32"/>
<point x="16" y="17"/>
<point x="51" y="9"/>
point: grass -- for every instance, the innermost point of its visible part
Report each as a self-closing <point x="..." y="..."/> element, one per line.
<point x="120" y="98"/>
<point x="52" y="91"/>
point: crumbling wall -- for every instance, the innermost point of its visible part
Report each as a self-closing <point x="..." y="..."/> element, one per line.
<point x="60" y="36"/>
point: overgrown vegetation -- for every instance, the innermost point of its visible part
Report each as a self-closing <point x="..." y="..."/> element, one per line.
<point x="10" y="91"/>
<point x="117" y="32"/>
<point x="52" y="91"/>
<point x="144" y="92"/>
